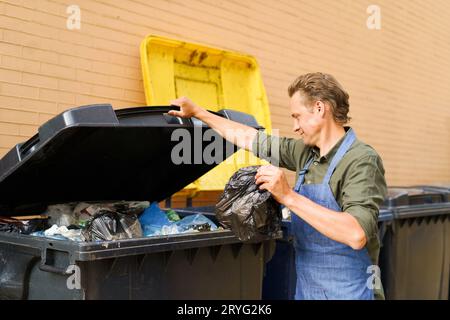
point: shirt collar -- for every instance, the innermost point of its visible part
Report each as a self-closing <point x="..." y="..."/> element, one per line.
<point x="332" y="152"/>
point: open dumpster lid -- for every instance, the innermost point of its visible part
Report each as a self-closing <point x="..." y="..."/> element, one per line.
<point x="95" y="153"/>
<point x="212" y="77"/>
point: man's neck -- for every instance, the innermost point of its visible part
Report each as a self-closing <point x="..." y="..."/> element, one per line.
<point x="329" y="137"/>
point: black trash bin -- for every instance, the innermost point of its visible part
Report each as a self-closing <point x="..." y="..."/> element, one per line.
<point x="442" y="188"/>
<point x="280" y="276"/>
<point x="94" y="153"/>
<point x="415" y="257"/>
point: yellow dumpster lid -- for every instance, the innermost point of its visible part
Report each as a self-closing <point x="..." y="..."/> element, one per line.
<point x="213" y="78"/>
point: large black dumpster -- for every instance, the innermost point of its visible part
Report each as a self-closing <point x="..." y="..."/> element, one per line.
<point x="94" y="153"/>
<point x="280" y="277"/>
<point x="415" y="258"/>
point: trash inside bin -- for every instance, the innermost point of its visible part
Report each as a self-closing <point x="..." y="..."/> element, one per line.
<point x="415" y="257"/>
<point x="91" y="155"/>
<point x="24" y="224"/>
<point x="155" y="221"/>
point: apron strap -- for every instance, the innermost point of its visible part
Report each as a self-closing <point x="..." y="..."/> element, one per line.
<point x="302" y="173"/>
<point x="343" y="148"/>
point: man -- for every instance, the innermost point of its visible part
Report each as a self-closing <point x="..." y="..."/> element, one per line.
<point x="339" y="188"/>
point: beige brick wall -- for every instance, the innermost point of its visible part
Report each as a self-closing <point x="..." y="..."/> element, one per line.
<point x="398" y="77"/>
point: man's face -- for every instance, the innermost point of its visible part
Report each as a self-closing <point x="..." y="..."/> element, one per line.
<point x="307" y="120"/>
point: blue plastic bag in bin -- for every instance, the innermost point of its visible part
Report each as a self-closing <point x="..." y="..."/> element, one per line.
<point x="154" y="222"/>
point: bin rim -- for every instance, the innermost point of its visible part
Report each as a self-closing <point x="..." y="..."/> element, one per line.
<point x="423" y="210"/>
<point x="91" y="251"/>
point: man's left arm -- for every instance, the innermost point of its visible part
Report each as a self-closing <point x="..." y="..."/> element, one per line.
<point x="363" y="191"/>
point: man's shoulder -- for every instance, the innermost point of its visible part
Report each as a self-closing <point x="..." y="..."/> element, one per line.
<point x="360" y="151"/>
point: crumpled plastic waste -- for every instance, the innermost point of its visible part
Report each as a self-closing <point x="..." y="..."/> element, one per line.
<point x="195" y="222"/>
<point x="94" y="221"/>
<point x="62" y="233"/>
<point x="153" y="219"/>
<point x="85" y="211"/>
<point x="192" y="223"/>
<point x="124" y="207"/>
<point x="130" y="207"/>
<point x="110" y="225"/>
<point x="111" y="221"/>
<point x="24" y="224"/>
<point x="61" y="214"/>
<point x="72" y="234"/>
<point x="252" y="214"/>
<point x="155" y="222"/>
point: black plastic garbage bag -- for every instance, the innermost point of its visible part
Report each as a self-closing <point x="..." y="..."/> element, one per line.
<point x="110" y="225"/>
<point x="252" y="214"/>
<point x="23" y="226"/>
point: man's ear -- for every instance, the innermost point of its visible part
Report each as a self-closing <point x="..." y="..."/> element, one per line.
<point x="320" y="107"/>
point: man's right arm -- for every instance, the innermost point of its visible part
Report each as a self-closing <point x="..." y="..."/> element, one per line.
<point x="279" y="151"/>
<point x="235" y="132"/>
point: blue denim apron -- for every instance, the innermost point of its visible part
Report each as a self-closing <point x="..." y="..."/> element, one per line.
<point x="327" y="269"/>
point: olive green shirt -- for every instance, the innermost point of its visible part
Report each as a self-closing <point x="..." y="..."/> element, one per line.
<point x="358" y="182"/>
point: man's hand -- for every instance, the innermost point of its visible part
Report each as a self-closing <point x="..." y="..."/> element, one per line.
<point x="235" y="132"/>
<point x="274" y="180"/>
<point x="187" y="108"/>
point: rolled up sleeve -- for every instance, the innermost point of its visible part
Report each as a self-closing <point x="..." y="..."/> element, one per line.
<point x="364" y="191"/>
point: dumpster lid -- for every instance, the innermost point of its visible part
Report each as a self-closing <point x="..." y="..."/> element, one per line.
<point x="211" y="76"/>
<point x="95" y="153"/>
<point x="416" y="195"/>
